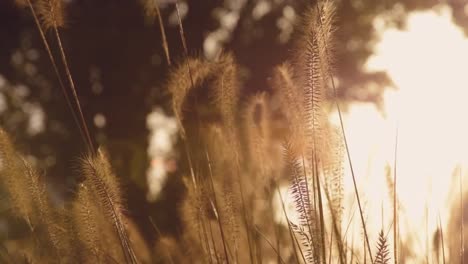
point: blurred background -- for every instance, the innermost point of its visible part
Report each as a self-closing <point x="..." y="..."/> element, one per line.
<point x="117" y="61"/>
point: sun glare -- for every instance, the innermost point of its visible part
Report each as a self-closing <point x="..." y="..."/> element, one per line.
<point x="426" y="62"/>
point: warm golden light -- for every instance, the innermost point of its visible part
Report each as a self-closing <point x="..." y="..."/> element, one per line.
<point x="427" y="63"/>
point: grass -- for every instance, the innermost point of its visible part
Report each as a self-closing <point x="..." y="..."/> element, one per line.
<point x="237" y="159"/>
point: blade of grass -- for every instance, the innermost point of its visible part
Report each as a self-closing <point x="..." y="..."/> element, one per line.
<point x="269" y="243"/>
<point x="57" y="73"/>
<point x="218" y="213"/>
<point x="153" y="224"/>
<point x="244" y="213"/>
<point x="163" y="35"/>
<point x="215" y="250"/>
<point x="72" y="87"/>
<point x="291" y="233"/>
<point x="184" y="44"/>
<point x="442" y="239"/>
<point x="335" y="229"/>
<point x="395" y="202"/>
<point x="320" y="206"/>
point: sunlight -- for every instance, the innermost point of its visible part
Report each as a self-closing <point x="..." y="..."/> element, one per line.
<point x="426" y="62"/>
<point x="162" y="138"/>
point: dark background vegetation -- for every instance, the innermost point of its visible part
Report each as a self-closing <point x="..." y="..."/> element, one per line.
<point x="118" y="64"/>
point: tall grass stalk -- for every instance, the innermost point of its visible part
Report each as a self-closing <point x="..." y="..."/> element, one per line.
<point x="72" y="86"/>
<point x="57" y="73"/>
<point x="163" y="35"/>
<point x="270" y="244"/>
<point x="346" y="144"/>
